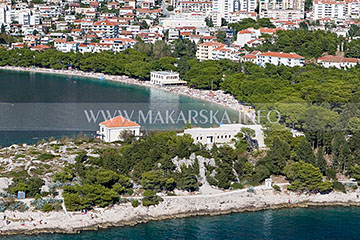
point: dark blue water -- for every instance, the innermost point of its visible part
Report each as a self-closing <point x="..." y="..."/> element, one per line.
<point x="34" y="106"/>
<point x="309" y="223"/>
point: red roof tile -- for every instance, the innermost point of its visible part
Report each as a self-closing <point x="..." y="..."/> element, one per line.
<point x="119" y="121"/>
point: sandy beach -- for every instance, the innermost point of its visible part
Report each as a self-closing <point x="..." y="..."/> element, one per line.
<point x="33" y="222"/>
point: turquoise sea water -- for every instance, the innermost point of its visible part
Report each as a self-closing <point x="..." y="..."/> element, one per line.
<point x="326" y="223"/>
<point x="34" y="106"/>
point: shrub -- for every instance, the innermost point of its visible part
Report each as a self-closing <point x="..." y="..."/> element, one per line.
<point x="12" y="205"/>
<point x="87" y="196"/>
<point x="149" y="193"/>
<point x="211" y="180"/>
<point x="31" y="186"/>
<point x="276" y="187"/>
<point x="149" y="201"/>
<point x="237" y="185"/>
<point x="37" y="196"/>
<point x="338" y="186"/>
<point x="45" y="156"/>
<point x="47" y="207"/>
<point x="331" y="173"/>
<point x="135" y="203"/>
<point x="150" y="198"/>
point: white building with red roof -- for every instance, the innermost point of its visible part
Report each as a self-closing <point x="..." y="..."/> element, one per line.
<point x="112" y="129"/>
<point x="119" y="44"/>
<point x="238" y="16"/>
<point x="282" y="10"/>
<point x="184" y="20"/>
<point x="280" y="58"/>
<point x="224" y="52"/>
<point x="106" y="28"/>
<point x="149" y="37"/>
<point x="328" y="9"/>
<point x="336" y="10"/>
<point x="151" y="13"/>
<point x="338" y="62"/>
<point x="205" y="50"/>
<point x="248" y="35"/>
<point x="249" y="58"/>
<point x="203" y="6"/>
<point x="64" y="46"/>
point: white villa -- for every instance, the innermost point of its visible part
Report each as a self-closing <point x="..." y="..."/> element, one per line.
<point x="338" y="62"/>
<point x="111" y="129"/>
<point x="165" y="78"/>
<point x="225" y="133"/>
<point x="280" y="58"/>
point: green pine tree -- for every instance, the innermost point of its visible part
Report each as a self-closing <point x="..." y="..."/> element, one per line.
<point x="345" y="159"/>
<point x="278" y="155"/>
<point x="320" y="160"/>
<point x="305" y="152"/>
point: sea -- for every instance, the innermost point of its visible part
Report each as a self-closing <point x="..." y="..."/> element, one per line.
<point x="35" y="106"/>
<point x="327" y="223"/>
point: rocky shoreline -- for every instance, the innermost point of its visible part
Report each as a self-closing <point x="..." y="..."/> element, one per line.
<point x="144" y="219"/>
<point x="175" y="207"/>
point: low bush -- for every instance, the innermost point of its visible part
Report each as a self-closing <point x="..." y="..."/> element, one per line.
<point x="135" y="203"/>
<point x="276" y="187"/>
<point x="47" y="207"/>
<point x="331" y="173"/>
<point x="150" y="198"/>
<point x="338" y="186"/>
<point x="45" y="156"/>
<point x="237" y="185"/>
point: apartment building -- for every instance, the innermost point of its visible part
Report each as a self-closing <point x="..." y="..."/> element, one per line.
<point x="336" y="10"/>
<point x="248" y="35"/>
<point x="238" y="16"/>
<point x="205" y="50"/>
<point x="338" y="62"/>
<point x="64" y="46"/>
<point x="280" y="58"/>
<point x="106" y="28"/>
<point x="329" y="9"/>
<point x="224" y="52"/>
<point x="285" y="10"/>
<point x="203" y="6"/>
<point x="184" y="20"/>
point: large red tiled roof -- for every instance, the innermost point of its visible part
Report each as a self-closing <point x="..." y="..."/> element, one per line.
<point x="281" y="55"/>
<point x="119" y="121"/>
<point x="337" y="59"/>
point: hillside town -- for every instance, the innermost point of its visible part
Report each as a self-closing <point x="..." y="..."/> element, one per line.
<point x="92" y="26"/>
